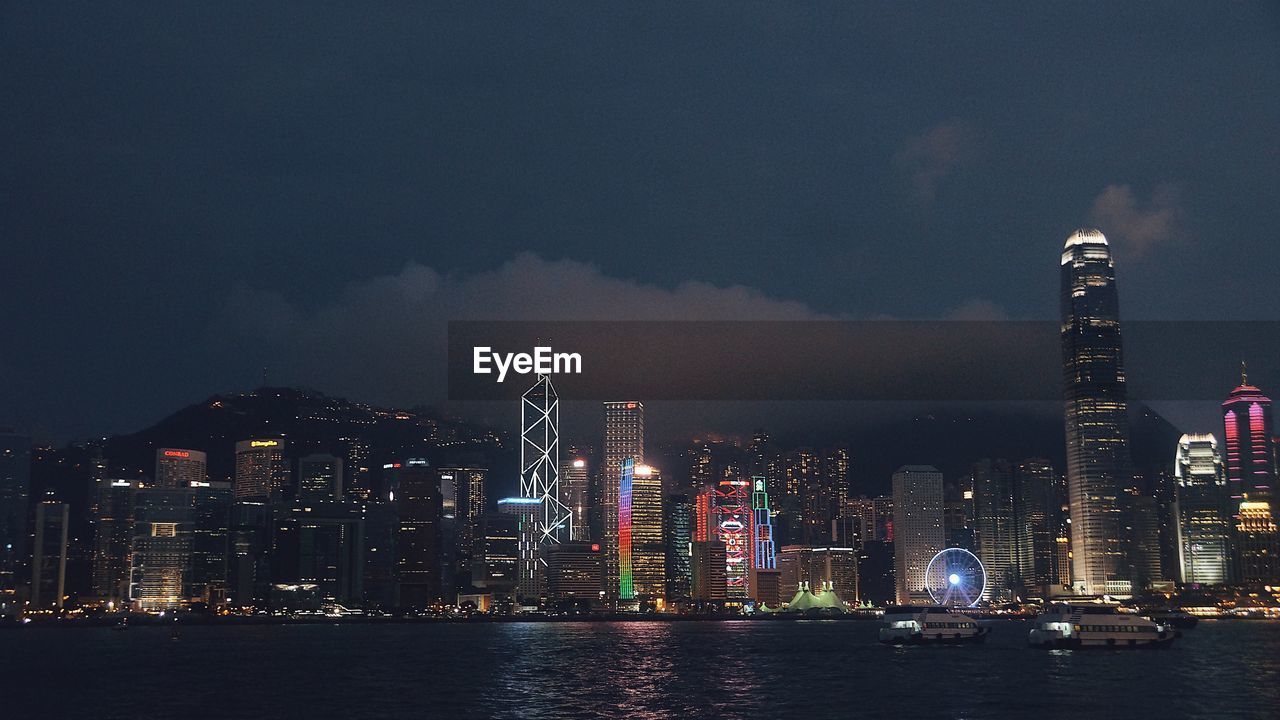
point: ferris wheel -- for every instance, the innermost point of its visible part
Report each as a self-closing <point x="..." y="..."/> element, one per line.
<point x="955" y="577"/>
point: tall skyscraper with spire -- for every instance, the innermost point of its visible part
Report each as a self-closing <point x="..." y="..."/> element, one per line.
<point x="1251" y="478"/>
<point x="1246" y="419"/>
<point x="1096" y="414"/>
<point x="540" y="476"/>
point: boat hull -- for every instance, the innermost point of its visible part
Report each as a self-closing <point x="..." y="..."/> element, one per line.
<point x="1076" y="643"/>
<point x="937" y="638"/>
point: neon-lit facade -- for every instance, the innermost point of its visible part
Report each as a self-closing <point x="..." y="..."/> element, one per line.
<point x="703" y="522"/>
<point x="1246" y="418"/>
<point x="540" y="476"/>
<point x="765" y="557"/>
<point x="623" y="438"/>
<point x="626" y="574"/>
<point x="648" y="553"/>
<point x="177" y="468"/>
<point x="733" y="526"/>
<point x="1251" y="475"/>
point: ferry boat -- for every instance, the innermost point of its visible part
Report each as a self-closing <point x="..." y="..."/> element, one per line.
<point x="1097" y="626"/>
<point x="929" y="626"/>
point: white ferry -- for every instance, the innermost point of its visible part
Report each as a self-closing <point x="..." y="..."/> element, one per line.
<point x="929" y="626"/>
<point x="1097" y="626"/>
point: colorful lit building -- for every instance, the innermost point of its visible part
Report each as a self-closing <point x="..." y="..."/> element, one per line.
<point x="626" y="573"/>
<point x="764" y="562"/>
<point x="1251" y="474"/>
<point x="733" y="522"/>
<point x="703" y="520"/>
<point x="623" y="439"/>
<point x="1246" y="417"/>
<point x="648" y="552"/>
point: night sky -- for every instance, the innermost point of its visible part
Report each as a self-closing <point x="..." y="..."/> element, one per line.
<point x="193" y="191"/>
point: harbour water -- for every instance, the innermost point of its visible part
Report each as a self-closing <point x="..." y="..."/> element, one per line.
<point x="730" y="669"/>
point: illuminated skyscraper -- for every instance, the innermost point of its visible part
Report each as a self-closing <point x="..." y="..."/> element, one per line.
<point x="574" y="574"/>
<point x="996" y="533"/>
<point x="15" y="483"/>
<point x="765" y="556"/>
<point x="1246" y="417"/>
<point x="321" y="542"/>
<point x="703" y="518"/>
<point x="857" y="521"/>
<point x="1204" y="515"/>
<point x="210" y="535"/>
<point x="161" y="556"/>
<point x="462" y="493"/>
<point x="262" y="471"/>
<point x="249" y="562"/>
<point x="448" y="533"/>
<point x="1096" y="414"/>
<point x="648" y="552"/>
<point x="1251" y="475"/>
<point x="112" y="539"/>
<point x="358" y="483"/>
<point x="623" y="439"/>
<point x="707" y="571"/>
<point x="733" y="523"/>
<point x="678" y="534"/>
<point x="495" y="559"/>
<point x="1039" y="495"/>
<point x="917" y="528"/>
<point x="626" y="573"/>
<point x="320" y="477"/>
<point x="1256" y="536"/>
<point x="526" y="511"/>
<point x="764" y="562"/>
<point x="418" y="540"/>
<point x="574" y="484"/>
<point x="819" y="566"/>
<point x="49" y="556"/>
<point x="540" y="472"/>
<point x="802" y="508"/>
<point x="178" y="468"/>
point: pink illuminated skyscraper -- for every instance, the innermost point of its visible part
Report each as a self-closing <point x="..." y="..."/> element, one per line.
<point x="1246" y="418"/>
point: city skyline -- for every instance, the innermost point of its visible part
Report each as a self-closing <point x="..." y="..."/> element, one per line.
<point x="662" y="360"/>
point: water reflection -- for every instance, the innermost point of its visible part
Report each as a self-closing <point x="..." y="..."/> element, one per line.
<point x="643" y="670"/>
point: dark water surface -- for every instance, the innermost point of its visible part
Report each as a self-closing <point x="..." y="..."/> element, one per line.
<point x="740" y="669"/>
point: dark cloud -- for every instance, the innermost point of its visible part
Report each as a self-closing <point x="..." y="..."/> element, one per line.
<point x="384" y="338"/>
